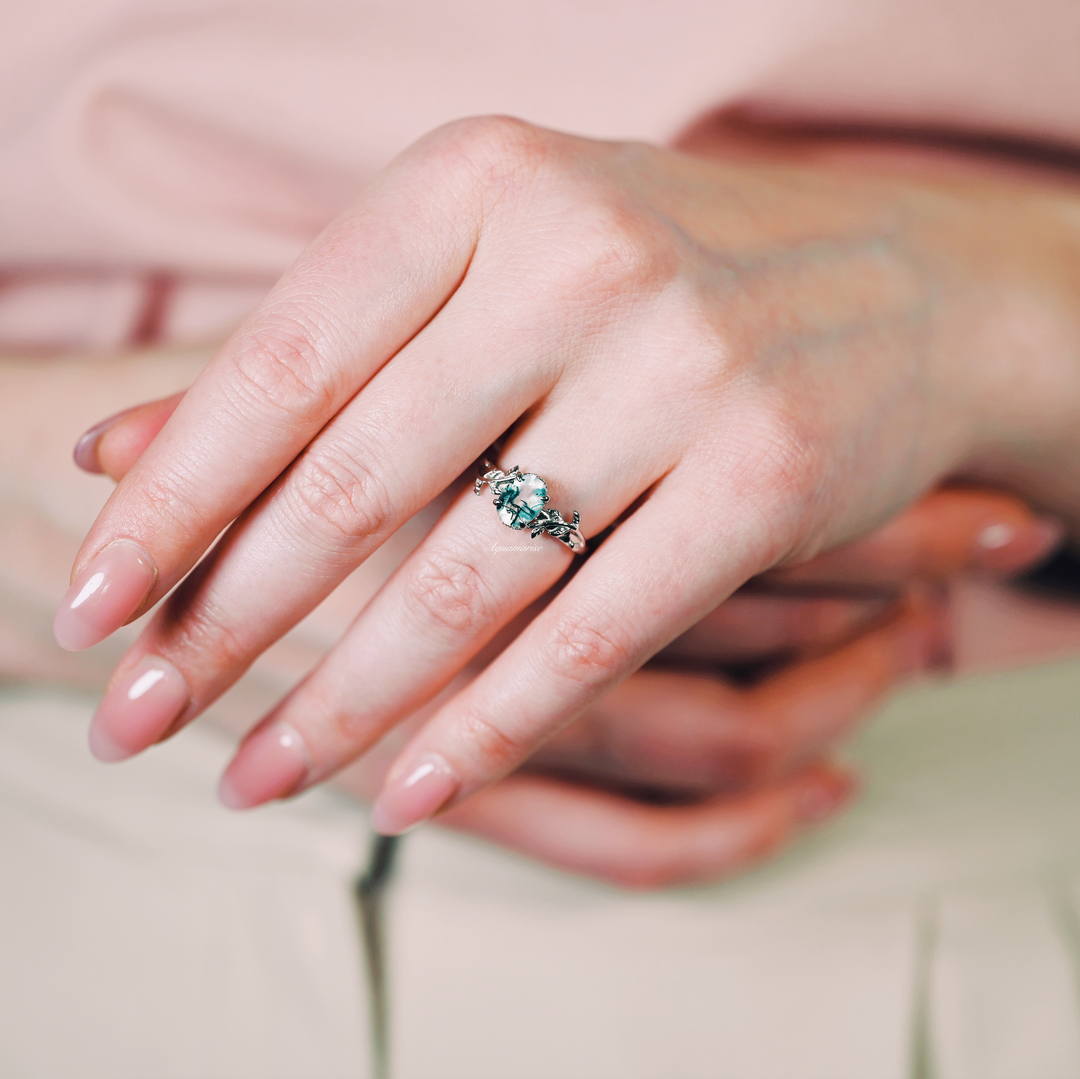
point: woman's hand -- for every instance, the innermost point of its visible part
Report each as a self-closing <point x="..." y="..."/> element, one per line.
<point x="761" y="360"/>
<point x="681" y="773"/>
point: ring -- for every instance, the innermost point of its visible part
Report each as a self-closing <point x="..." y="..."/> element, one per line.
<point x="520" y="498"/>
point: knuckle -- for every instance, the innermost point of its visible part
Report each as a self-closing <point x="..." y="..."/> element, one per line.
<point x="622" y="255"/>
<point x="337" y="495"/>
<point x="610" y="251"/>
<point x="630" y="244"/>
<point x="588" y="238"/>
<point x="495" y="747"/>
<point x="779" y="456"/>
<point x="280" y="365"/>
<point x="775" y="471"/>
<point x="451" y="594"/>
<point x="759" y="841"/>
<point x="167" y="500"/>
<point x="588" y="651"/>
<point x="496" y="151"/>
<point x="201" y="638"/>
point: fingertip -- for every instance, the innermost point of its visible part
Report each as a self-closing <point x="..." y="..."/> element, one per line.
<point x="1004" y="548"/>
<point x="85" y="454"/>
<point x="823" y="792"/>
<point x="87" y="449"/>
<point x="104" y="595"/>
<point x="229" y="796"/>
<point x="273" y="763"/>
<point x="112" y="446"/>
<point x="138" y="709"/>
<point x="103" y="747"/>
<point x="413" y="794"/>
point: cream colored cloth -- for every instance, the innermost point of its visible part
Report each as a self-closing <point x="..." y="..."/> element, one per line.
<point x="931" y="932"/>
<point x="147" y="933"/>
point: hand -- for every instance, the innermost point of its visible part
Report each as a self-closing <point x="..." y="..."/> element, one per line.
<point x="768" y="360"/>
<point x="680" y="775"/>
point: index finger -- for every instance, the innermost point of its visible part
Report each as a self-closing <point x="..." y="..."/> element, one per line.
<point x="362" y="290"/>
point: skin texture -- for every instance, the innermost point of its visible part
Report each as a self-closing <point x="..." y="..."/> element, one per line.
<point x="679" y="774"/>
<point x="787" y="352"/>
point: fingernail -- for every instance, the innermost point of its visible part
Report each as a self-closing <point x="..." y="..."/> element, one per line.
<point x="86" y="449"/>
<point x="1009" y="548"/>
<point x="104" y="596"/>
<point x="823" y="795"/>
<point x="272" y="763"/>
<point x="138" y="709"/>
<point x="413" y="795"/>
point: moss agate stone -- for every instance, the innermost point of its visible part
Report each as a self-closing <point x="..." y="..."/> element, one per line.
<point x="521" y="501"/>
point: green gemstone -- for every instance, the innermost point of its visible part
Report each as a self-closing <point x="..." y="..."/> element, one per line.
<point x="522" y="500"/>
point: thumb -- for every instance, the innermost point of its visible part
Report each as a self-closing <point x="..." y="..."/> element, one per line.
<point x="116" y="443"/>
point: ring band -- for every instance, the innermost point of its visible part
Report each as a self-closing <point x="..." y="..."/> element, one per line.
<point x="520" y="498"/>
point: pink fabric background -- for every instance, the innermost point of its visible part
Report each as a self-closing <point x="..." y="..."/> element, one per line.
<point x="162" y="161"/>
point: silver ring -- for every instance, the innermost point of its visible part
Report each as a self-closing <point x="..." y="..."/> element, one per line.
<point x="520" y="499"/>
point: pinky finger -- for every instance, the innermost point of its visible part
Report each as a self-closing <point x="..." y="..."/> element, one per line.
<point x="634" y="845"/>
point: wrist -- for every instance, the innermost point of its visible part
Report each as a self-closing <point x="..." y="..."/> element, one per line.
<point x="1014" y="322"/>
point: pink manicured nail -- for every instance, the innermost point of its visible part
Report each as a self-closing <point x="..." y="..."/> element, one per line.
<point x="411" y="797"/>
<point x="138" y="709"/>
<point x="104" y="596"/>
<point x="86" y="449"/>
<point x="272" y="763"/>
<point x="1009" y="548"/>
